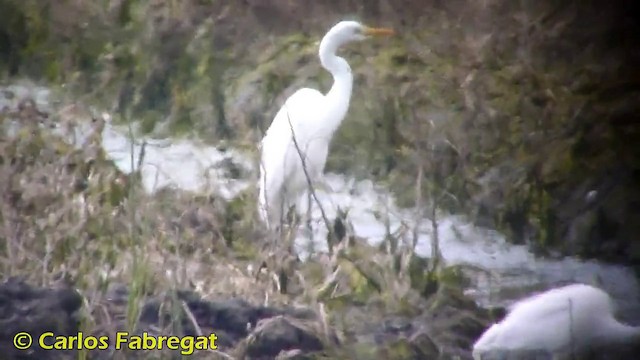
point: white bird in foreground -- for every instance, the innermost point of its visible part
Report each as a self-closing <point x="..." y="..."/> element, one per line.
<point x="314" y="118"/>
<point x="563" y="322"/>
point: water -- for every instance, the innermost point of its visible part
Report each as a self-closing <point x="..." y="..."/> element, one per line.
<point x="514" y="271"/>
<point x="180" y="164"/>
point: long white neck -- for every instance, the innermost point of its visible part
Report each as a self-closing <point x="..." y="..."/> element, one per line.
<point x="619" y="333"/>
<point x="340" y="94"/>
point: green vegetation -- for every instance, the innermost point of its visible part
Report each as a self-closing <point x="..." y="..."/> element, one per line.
<point x="493" y="123"/>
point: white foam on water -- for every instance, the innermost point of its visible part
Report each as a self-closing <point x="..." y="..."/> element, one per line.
<point x="180" y="164"/>
<point x="373" y="215"/>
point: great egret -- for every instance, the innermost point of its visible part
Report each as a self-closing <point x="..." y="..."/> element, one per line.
<point x="562" y="322"/>
<point x="311" y="118"/>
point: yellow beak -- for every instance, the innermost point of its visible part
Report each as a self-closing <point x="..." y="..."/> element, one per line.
<point x="378" y="31"/>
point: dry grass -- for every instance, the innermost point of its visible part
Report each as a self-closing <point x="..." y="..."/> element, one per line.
<point x="69" y="215"/>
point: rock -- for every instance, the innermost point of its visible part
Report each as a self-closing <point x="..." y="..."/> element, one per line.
<point x="24" y="308"/>
<point x="255" y="329"/>
<point x="280" y="334"/>
<point x="446" y="327"/>
<point x="230" y="319"/>
<point x="34" y="310"/>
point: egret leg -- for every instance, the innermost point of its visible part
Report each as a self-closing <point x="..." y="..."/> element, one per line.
<point x="278" y="248"/>
<point x="309" y="212"/>
<point x="293" y="224"/>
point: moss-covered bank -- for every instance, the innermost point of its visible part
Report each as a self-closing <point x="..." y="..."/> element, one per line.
<point x="526" y="113"/>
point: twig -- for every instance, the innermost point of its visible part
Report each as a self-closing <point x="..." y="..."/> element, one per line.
<point x="192" y="318"/>
<point x="418" y="190"/>
<point x="435" y="239"/>
<point x="194" y="322"/>
<point x="324" y="321"/>
<point x="143" y="149"/>
<point x="311" y="188"/>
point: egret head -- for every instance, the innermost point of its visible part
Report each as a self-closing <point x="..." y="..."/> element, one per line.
<point x="347" y="31"/>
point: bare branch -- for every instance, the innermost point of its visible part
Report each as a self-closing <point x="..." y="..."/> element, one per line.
<point x="309" y="182"/>
<point x="194" y="322"/>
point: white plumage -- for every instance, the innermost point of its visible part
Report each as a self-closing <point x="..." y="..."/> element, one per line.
<point x="314" y="118"/>
<point x="562" y="321"/>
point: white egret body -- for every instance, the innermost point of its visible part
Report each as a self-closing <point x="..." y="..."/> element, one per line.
<point x="314" y="118"/>
<point x="564" y="321"/>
